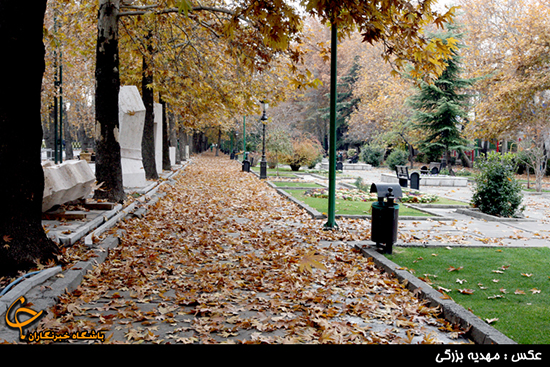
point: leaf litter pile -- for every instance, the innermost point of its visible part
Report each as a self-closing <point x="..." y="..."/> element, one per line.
<point x="223" y="258"/>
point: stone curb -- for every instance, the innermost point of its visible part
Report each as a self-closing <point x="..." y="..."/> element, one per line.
<point x="476" y="213"/>
<point x="105" y="221"/>
<point x="88" y="240"/>
<point x="314" y="213"/>
<point x="17" y="291"/>
<point x="84" y="229"/>
<point x="479" y="331"/>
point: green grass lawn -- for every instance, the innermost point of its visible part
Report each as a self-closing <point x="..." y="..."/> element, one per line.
<point x="533" y="190"/>
<point x="510" y="286"/>
<point x="283" y="172"/>
<point x="286" y="171"/>
<point x="295" y="184"/>
<point x="344" y="207"/>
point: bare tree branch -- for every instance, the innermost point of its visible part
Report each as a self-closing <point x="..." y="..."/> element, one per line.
<point x="145" y="9"/>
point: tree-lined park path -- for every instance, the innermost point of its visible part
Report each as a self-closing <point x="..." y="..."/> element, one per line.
<point x="223" y="258"/>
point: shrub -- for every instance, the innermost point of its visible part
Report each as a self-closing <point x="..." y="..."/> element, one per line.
<point x="272" y="160"/>
<point x="361" y="185"/>
<point x="497" y="192"/>
<point x="305" y="151"/>
<point x="372" y="154"/>
<point x="314" y="162"/>
<point x="463" y="173"/>
<point x="397" y="158"/>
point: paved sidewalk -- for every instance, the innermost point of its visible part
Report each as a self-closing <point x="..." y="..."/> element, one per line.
<point x="222" y="258"/>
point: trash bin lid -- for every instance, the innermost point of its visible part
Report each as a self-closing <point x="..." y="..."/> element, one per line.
<point x="382" y="189"/>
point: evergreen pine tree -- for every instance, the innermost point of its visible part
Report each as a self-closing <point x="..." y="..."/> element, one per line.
<point x="440" y="108"/>
<point x="346" y="103"/>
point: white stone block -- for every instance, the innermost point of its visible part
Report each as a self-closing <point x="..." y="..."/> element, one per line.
<point x="172" y="156"/>
<point x="186" y="154"/>
<point x="68" y="181"/>
<point x="157" y="108"/>
<point x="131" y="121"/>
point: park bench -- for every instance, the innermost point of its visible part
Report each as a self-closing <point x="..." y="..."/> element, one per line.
<point x="403" y="175"/>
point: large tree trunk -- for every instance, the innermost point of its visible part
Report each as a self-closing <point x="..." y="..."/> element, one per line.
<point x="108" y="164"/>
<point x="148" y="140"/>
<point x="22" y="237"/>
<point x="219" y="141"/>
<point x="183" y="141"/>
<point x="173" y="134"/>
<point x="466" y="162"/>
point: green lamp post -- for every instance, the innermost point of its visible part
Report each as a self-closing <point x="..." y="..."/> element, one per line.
<point x="263" y="162"/>
<point x="331" y="222"/>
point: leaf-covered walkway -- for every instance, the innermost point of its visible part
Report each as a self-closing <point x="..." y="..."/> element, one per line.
<point x="223" y="258"/>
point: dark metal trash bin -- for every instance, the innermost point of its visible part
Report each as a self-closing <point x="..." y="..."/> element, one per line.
<point x="246" y="166"/>
<point x="415" y="181"/>
<point x="385" y="214"/>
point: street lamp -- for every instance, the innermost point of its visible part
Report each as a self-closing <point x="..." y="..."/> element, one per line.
<point x="246" y="162"/>
<point x="263" y="162"/>
<point x="236" y="143"/>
